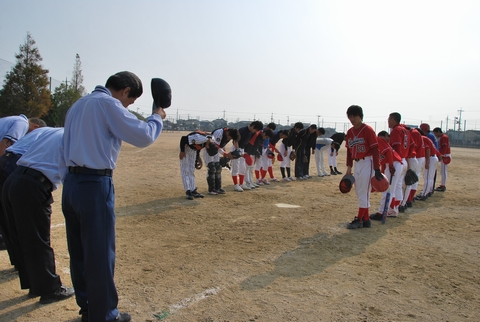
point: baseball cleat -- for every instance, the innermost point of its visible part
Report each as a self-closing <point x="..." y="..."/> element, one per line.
<point x="356" y="223"/>
<point x="245" y="186"/>
<point x="195" y="194"/>
<point x="376" y="216"/>
<point x="237" y="188"/>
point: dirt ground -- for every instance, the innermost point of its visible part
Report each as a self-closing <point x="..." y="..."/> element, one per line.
<point x="240" y="257"/>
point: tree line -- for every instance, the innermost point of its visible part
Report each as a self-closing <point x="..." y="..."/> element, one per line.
<point x="26" y="88"/>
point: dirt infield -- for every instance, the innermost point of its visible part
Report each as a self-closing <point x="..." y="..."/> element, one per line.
<point x="239" y="257"/>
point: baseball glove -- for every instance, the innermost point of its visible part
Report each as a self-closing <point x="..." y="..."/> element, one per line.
<point x="410" y="177"/>
<point x="292" y="156"/>
<point x="270" y="154"/>
<point x="198" y="162"/>
<point x="236" y="154"/>
<point x="224" y="162"/>
<point x="212" y="149"/>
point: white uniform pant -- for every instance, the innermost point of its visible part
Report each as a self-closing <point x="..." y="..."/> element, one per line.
<point x="363" y="173"/>
<point x="238" y="165"/>
<point x="187" y="168"/>
<point x="444" y="172"/>
<point x="332" y="157"/>
<point x="429" y="175"/>
<point x="393" y="186"/>
<point x="286" y="159"/>
<point x="414" y="165"/>
<point x="320" y="160"/>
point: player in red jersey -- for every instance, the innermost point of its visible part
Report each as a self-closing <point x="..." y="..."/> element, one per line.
<point x="362" y="150"/>
<point x="416" y="162"/>
<point x="400" y="142"/>
<point x="390" y="163"/>
<point x="444" y="149"/>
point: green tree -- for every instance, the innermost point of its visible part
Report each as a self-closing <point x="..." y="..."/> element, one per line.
<point x="25" y="89"/>
<point x="65" y="95"/>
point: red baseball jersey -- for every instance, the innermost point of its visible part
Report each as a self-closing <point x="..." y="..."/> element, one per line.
<point x="360" y="141"/>
<point x="400" y="140"/>
<point x="387" y="154"/>
<point x="444" y="144"/>
<point x="430" y="146"/>
<point x="419" y="146"/>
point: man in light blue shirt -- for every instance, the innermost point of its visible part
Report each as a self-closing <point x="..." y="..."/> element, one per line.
<point x="95" y="127"/>
<point x="8" y="163"/>
<point x="27" y="199"/>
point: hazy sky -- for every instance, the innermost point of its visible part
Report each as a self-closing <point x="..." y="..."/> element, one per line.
<point x="297" y="60"/>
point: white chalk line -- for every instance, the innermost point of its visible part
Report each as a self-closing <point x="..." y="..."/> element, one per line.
<point x="186" y="302"/>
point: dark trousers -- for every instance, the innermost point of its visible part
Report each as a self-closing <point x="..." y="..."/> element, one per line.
<point x="8" y="163"/>
<point x="27" y="208"/>
<point x="299" y="162"/>
<point x="306" y="165"/>
<point x="88" y="207"/>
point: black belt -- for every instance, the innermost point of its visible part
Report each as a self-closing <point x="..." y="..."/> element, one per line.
<point x="11" y="155"/>
<point x="359" y="159"/>
<point x="96" y="172"/>
<point x="37" y="175"/>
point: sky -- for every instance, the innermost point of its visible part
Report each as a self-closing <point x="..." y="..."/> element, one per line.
<point x="285" y="61"/>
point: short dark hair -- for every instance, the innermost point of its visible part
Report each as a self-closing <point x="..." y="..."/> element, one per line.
<point x="321" y="130"/>
<point x="437" y="130"/>
<point x="122" y="80"/>
<point x="298" y="125"/>
<point x="272" y="126"/>
<point x="383" y="133"/>
<point x="355" y="110"/>
<point x="396" y="116"/>
<point x="313" y="126"/>
<point x="257" y="125"/>
<point x="233" y="133"/>
<point x="268" y="133"/>
<point x="284" y="132"/>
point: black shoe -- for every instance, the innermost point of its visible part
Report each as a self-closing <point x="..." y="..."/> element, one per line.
<point x="338" y="172"/>
<point x="356" y="223"/>
<point x="409" y="204"/>
<point x="429" y="194"/>
<point x="195" y="194"/>
<point x="221" y="191"/>
<point x="189" y="195"/>
<point x="441" y="188"/>
<point x="62" y="293"/>
<point x="376" y="216"/>
<point x="421" y="198"/>
<point x="123" y="317"/>
<point x="402" y="208"/>
<point x="367" y="223"/>
<point x="32" y="295"/>
<point x="333" y="173"/>
<point x="84" y="315"/>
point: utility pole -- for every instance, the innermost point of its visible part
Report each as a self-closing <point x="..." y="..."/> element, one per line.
<point x="271" y="118"/>
<point x="318" y="120"/>
<point x="460" y="119"/>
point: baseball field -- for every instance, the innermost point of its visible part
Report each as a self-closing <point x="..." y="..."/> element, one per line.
<point x="241" y="257"/>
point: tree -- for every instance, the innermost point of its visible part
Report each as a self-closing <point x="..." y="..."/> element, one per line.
<point x="77" y="78"/>
<point x="25" y="89"/>
<point x="65" y="95"/>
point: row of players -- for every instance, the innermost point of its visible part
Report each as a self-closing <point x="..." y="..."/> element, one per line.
<point x="251" y="155"/>
<point x="370" y="155"/>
